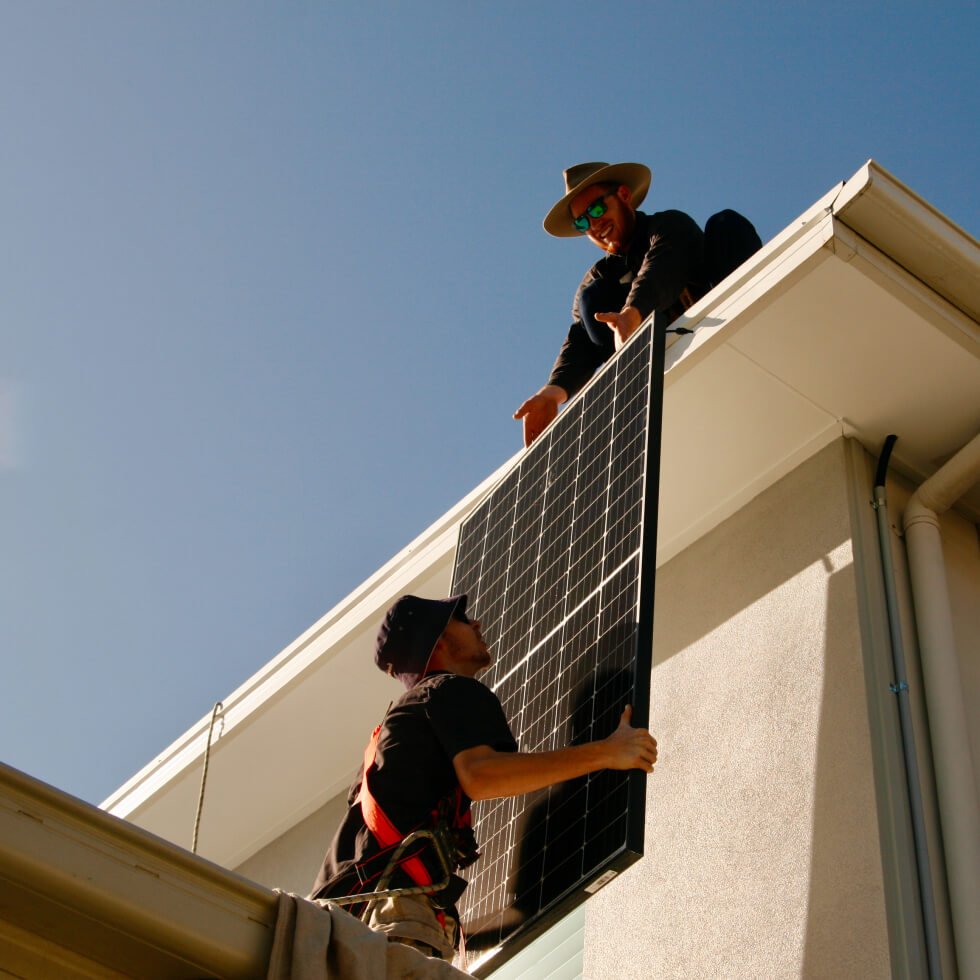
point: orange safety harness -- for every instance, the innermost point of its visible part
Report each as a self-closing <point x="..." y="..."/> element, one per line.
<point x="388" y="835"/>
<point x="450" y="831"/>
<point x="380" y="824"/>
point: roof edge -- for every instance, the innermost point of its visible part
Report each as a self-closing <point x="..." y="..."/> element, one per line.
<point x="90" y="875"/>
<point x="925" y="242"/>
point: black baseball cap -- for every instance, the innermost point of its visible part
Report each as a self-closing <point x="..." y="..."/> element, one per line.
<point x="409" y="633"/>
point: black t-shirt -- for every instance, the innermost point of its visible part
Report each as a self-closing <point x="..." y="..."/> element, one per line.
<point x="441" y="716"/>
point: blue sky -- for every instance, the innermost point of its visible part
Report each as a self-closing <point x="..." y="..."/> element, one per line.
<point x="275" y="280"/>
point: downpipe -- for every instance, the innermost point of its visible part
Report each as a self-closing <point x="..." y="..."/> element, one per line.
<point x="959" y="802"/>
<point x="900" y="688"/>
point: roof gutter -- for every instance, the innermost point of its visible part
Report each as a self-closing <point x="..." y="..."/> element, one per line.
<point x="75" y="879"/>
<point x="920" y="238"/>
<point x="959" y="804"/>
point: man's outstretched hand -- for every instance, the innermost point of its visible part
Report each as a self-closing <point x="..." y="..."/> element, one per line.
<point x="540" y="410"/>
<point x="622" y="324"/>
<point x="631" y="748"/>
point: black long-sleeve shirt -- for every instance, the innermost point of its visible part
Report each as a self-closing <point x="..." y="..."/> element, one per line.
<point x="665" y="257"/>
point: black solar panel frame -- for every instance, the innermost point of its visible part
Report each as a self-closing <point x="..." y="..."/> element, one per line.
<point x="495" y="552"/>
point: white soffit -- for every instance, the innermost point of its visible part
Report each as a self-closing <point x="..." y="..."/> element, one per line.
<point x="823" y="334"/>
<point x="290" y="737"/>
<point x="834" y="328"/>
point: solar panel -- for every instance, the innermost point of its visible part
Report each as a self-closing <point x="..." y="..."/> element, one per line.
<point x="559" y="565"/>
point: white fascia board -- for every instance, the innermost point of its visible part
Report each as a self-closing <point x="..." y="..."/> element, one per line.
<point x="314" y="646"/>
<point x="919" y="237"/>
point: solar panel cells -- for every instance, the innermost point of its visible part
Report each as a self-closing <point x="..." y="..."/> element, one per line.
<point x="555" y="562"/>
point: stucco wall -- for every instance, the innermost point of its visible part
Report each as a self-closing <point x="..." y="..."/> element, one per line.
<point x="762" y="854"/>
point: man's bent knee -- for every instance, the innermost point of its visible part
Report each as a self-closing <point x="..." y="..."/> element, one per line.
<point x="413" y="921"/>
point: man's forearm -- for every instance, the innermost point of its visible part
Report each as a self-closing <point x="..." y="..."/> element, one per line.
<point x="485" y="774"/>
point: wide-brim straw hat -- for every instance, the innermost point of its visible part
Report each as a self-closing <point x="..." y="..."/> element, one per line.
<point x="635" y="176"/>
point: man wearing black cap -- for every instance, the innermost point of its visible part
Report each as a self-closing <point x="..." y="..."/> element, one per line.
<point x="444" y="742"/>
<point x="653" y="263"/>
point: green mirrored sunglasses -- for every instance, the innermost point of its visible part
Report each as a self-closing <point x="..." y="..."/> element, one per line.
<point x="595" y="210"/>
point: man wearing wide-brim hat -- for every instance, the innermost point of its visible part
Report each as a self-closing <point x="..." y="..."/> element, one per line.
<point x="654" y="263"/>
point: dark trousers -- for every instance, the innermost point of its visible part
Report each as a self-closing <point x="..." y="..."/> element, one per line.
<point x="729" y="239"/>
